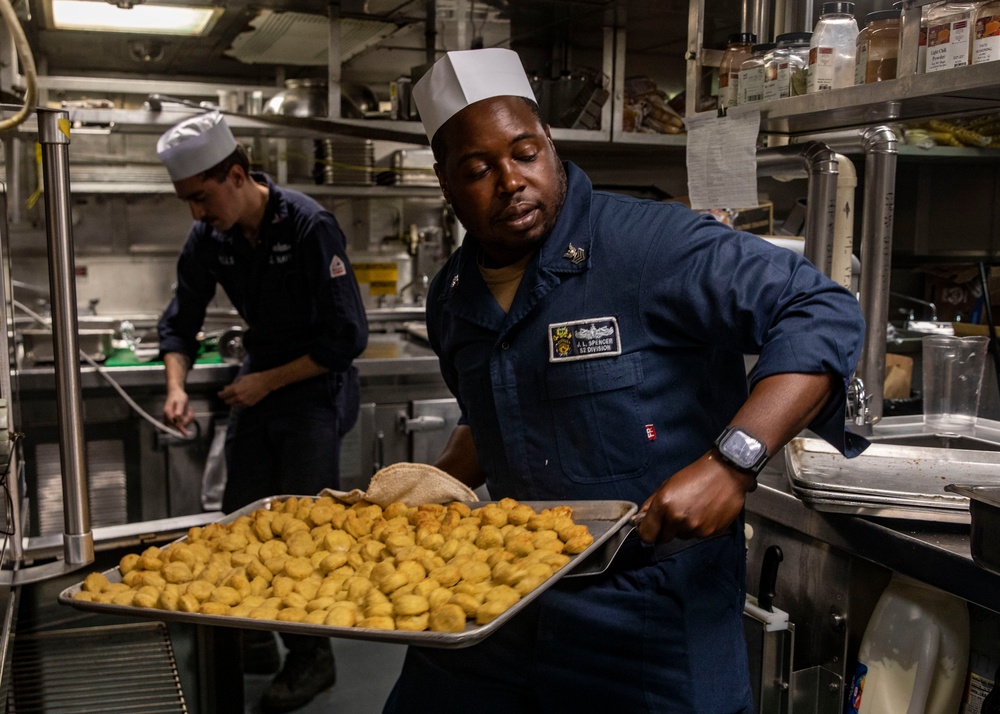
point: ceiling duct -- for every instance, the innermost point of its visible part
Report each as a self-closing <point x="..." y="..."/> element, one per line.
<point x="295" y="38"/>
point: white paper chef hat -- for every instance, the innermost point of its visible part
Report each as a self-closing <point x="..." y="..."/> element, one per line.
<point x="195" y="145"/>
<point x="464" y="77"/>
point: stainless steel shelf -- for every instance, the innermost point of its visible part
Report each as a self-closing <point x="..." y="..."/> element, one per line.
<point x="952" y="92"/>
<point x="121" y="188"/>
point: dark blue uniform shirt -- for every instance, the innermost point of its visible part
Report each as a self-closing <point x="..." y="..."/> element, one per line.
<point x="295" y="289"/>
<point x="621" y="358"/>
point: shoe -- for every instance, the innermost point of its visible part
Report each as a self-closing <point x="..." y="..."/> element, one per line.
<point x="260" y="652"/>
<point x="306" y="673"/>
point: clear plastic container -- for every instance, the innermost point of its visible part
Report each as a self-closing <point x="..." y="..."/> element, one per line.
<point x="752" y="74"/>
<point x="831" y="51"/>
<point x="914" y="653"/>
<point x="986" y="33"/>
<point x="737" y="50"/>
<point x="949" y="35"/>
<point x="877" y="48"/>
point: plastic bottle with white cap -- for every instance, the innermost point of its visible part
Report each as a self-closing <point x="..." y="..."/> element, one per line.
<point x="832" y="49"/>
<point x="914" y="653"/>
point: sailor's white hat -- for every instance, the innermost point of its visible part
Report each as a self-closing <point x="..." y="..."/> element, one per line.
<point x="464" y="77"/>
<point x="195" y="145"/>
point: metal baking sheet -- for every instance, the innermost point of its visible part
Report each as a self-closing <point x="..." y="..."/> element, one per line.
<point x="909" y="480"/>
<point x="911" y="513"/>
<point x="603" y="518"/>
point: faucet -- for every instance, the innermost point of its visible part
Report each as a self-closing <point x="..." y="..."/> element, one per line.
<point x="418" y="296"/>
<point x="857" y="404"/>
<point x="909" y="313"/>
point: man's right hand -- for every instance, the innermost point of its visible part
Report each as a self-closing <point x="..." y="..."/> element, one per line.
<point x="177" y="411"/>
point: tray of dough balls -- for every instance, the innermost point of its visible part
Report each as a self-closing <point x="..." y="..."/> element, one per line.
<point x="436" y="575"/>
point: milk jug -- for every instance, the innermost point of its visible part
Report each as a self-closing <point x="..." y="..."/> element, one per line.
<point x="914" y="652"/>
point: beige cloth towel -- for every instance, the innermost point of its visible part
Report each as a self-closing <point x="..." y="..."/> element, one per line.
<point x="410" y="483"/>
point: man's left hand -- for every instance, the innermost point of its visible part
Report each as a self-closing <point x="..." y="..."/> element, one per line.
<point x="698" y="501"/>
<point x="246" y="390"/>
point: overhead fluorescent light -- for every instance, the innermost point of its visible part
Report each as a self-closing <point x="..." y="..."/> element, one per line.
<point x="150" y="19"/>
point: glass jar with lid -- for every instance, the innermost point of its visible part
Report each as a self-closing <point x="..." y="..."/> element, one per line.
<point x="790" y="56"/>
<point x="738" y="49"/>
<point x="752" y="74"/>
<point x="796" y="44"/>
<point x="877" y="48"/>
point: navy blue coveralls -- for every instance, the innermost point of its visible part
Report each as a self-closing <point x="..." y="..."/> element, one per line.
<point x="618" y="364"/>
<point x="298" y="296"/>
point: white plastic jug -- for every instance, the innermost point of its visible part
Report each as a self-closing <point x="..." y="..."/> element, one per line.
<point x="914" y="653"/>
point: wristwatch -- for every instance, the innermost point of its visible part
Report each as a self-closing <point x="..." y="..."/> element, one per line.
<point x="742" y="450"/>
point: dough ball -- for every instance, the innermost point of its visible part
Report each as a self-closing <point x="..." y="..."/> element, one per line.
<point x="447" y="618"/>
<point x="474" y="571"/>
<point x="128" y="563"/>
<point x="213" y="608"/>
<point x="291" y="614"/>
<point x="225" y="595"/>
<point x="200" y="589"/>
<point x="520" y="514"/>
<point x="342" y="615"/>
<point x="411" y="605"/>
<point x="177" y="572"/>
<point x="377" y="623"/>
<point x="489" y="537"/>
<point x="96" y="582"/>
<point x="315" y="617"/>
<point x="502" y="593"/>
<point x="321" y="513"/>
<point x="468" y="603"/>
<point x="333" y="561"/>
<point x="298" y="568"/>
<point x="413" y="623"/>
<point x="272" y="549"/>
<point x="489" y="611"/>
<point x="396" y="509"/>
<point x="579" y="543"/>
<point x="188" y="603"/>
<point x="294" y="600"/>
<point x="300" y="544"/>
<point x="338" y="541"/>
<point x="413" y="571"/>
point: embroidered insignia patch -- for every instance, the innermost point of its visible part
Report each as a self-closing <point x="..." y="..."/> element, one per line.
<point x="337" y="267"/>
<point x="584" y="339"/>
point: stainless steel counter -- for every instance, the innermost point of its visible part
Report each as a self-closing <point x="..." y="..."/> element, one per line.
<point x="387" y="355"/>
<point x="937" y="554"/>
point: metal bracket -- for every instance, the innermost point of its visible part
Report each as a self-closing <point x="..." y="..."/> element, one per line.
<point x="422" y="423"/>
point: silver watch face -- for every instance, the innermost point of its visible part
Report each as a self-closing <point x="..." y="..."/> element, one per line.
<point x="741" y="448"/>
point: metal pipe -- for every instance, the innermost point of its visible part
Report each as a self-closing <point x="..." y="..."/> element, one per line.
<point x="879" y="143"/>
<point x="820" y="165"/>
<point x="53" y="135"/>
<point x="430" y="32"/>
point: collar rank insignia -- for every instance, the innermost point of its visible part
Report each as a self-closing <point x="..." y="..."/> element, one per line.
<point x="576" y="255"/>
<point x="454" y="282"/>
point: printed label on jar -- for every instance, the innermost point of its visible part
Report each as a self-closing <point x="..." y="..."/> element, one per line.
<point x="857" y="689"/>
<point x="958" y="49"/>
<point x="752" y="85"/>
<point x="822" y="67"/>
<point x="860" y="64"/>
<point x="776" y="82"/>
<point x="938" y="41"/>
<point x="986" y="47"/>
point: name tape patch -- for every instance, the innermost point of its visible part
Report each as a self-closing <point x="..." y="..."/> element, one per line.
<point x="584" y="339"/>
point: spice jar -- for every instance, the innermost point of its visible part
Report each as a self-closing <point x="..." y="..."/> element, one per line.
<point x="986" y="42"/>
<point x="877" y="48"/>
<point x="752" y="74"/>
<point x="738" y="49"/>
<point x="797" y="46"/>
<point x="949" y="36"/>
<point x="831" y="56"/>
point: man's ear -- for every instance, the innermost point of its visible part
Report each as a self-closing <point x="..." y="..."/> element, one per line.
<point x="442" y="182"/>
<point x="238" y="175"/>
